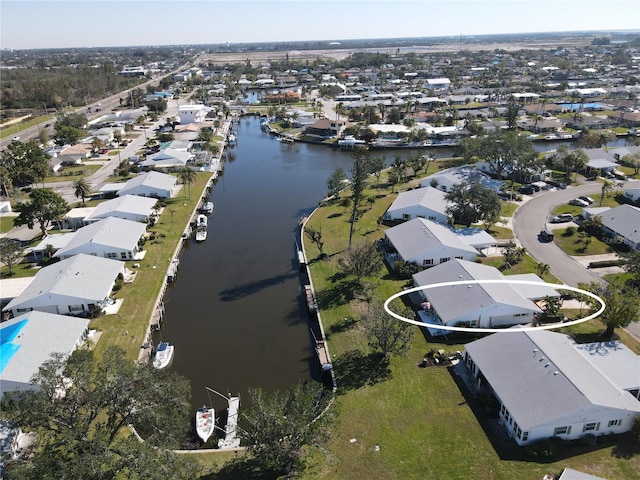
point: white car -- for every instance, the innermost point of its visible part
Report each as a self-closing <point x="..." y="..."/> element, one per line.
<point x="589" y="200"/>
<point x="579" y="202"/>
<point x="16" y="138"/>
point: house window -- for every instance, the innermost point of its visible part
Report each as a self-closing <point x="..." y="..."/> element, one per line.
<point x="445" y="259"/>
<point x="591" y="427"/>
<point x="525" y="436"/>
<point x="459" y="258"/>
<point x="23" y="310"/>
<point x="123" y="255"/>
<point x="566" y="430"/>
<point x="111" y="255"/>
<point x="406" y="216"/>
<point x="76" y="308"/>
<point x="432" y="218"/>
<point x="427" y="262"/>
<point x="615" y="423"/>
<point x="519" y="315"/>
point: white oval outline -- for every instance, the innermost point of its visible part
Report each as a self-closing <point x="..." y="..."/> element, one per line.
<point x="550" y="326"/>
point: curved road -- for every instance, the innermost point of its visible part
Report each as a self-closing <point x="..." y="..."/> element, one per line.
<point x="532" y="217"/>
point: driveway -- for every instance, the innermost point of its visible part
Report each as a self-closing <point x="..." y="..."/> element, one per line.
<point x="532" y="217"/>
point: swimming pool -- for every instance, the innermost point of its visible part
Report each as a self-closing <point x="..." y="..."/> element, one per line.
<point x="7" y="348"/>
<point x="584" y="106"/>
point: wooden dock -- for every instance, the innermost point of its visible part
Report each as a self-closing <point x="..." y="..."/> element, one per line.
<point x="312" y="305"/>
<point x="231" y="439"/>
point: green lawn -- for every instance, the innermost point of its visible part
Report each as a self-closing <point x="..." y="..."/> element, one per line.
<point x="422" y="421"/>
<point x="6" y="224"/>
<point x="70" y="174"/>
<point x="573" y="243"/>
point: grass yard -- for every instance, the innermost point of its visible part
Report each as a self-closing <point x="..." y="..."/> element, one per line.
<point x="70" y="174"/>
<point x="423" y="422"/>
<point x="572" y="243"/>
<point x="6" y="223"/>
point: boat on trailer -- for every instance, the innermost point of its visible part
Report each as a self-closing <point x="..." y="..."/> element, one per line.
<point x="205" y="422"/>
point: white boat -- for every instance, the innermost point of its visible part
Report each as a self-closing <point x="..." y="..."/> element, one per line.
<point x="201" y="235"/>
<point x="201" y="221"/>
<point x="163" y="356"/>
<point x="207" y="207"/>
<point x="205" y="422"/>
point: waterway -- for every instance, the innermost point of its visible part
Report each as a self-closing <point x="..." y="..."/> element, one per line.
<point x="236" y="314"/>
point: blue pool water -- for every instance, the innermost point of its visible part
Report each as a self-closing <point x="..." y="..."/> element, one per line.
<point x="7" y="348"/>
<point x="584" y="106"/>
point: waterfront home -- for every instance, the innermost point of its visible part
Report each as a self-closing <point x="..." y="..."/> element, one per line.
<point x="28" y="340"/>
<point x="167" y="159"/>
<point x="446" y="179"/>
<point x="127" y="207"/>
<point x="548" y="386"/>
<point x="192" y="113"/>
<point x="151" y="184"/>
<point x="425" y="243"/>
<point x="485" y="305"/>
<point x="74" y="286"/>
<point x="324" y="128"/>
<point x="110" y="237"/>
<point x="426" y="202"/>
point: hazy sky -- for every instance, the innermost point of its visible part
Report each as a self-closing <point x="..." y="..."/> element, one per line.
<point x="97" y="23"/>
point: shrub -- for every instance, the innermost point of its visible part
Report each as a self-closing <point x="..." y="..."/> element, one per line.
<point x="547" y="448"/>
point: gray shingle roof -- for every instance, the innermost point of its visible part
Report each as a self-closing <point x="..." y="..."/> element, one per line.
<point x="521" y="368"/>
<point x="624" y="220"/>
<point x="419" y="235"/>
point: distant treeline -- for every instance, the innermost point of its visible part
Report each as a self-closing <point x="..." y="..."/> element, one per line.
<point x="40" y="89"/>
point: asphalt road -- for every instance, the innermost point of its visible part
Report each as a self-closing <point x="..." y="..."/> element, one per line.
<point x="532" y="217"/>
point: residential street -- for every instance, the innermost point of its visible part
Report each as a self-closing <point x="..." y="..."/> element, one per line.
<point x="532" y="217"/>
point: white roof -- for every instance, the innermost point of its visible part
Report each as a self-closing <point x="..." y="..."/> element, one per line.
<point x="29" y="340"/>
<point x="112" y="187"/>
<point x="157" y="180"/>
<point x="418" y="236"/>
<point x="12" y="287"/>
<point x="389" y="128"/>
<point x="624" y="220"/>
<point x="126" y="204"/>
<point x="80" y="276"/>
<point x="427" y="197"/>
<point x="109" y="232"/>
<point x="446" y="300"/>
<point x="57" y="241"/>
<point x="521" y="368"/>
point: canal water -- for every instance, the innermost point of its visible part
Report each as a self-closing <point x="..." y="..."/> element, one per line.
<point x="236" y="314"/>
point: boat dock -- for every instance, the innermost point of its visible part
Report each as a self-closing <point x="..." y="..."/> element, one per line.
<point x="312" y="305"/>
<point x="231" y="439"/>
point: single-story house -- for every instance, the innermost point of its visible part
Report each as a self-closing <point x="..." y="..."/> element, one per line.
<point x="632" y="191"/>
<point x="150" y="184"/>
<point x="75" y="217"/>
<point x="57" y="242"/>
<point x="28" y="340"/>
<point x="167" y="159"/>
<point x="73" y="286"/>
<point x="485" y="305"/>
<point x="622" y="223"/>
<point x="549" y="386"/>
<point x="127" y="207"/>
<point x="446" y="179"/>
<point x="110" y="237"/>
<point x="426" y="243"/>
<point x="10" y="288"/>
<point x="75" y="154"/>
<point x="427" y="202"/>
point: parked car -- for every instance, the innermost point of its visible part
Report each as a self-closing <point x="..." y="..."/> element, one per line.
<point x="16" y="138"/>
<point x="579" y="202"/>
<point x="589" y="200"/>
<point x="546" y="235"/>
<point x="527" y="189"/>
<point x="562" y="218"/>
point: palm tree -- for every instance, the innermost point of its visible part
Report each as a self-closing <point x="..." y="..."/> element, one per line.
<point x="81" y="189"/>
<point x="607" y="187"/>
<point x="187" y="176"/>
<point x="542" y="268"/>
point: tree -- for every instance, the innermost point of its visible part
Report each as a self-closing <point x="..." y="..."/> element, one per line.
<point x="513" y="107"/>
<point x="386" y="333"/>
<point x="607" y="187"/>
<point x="632" y="161"/>
<point x="359" y="173"/>
<point x="11" y="251"/>
<point x="316" y="237"/>
<point x="472" y="203"/>
<point x="68" y="129"/>
<point x="82" y="409"/>
<point x="632" y="264"/>
<point x="376" y="166"/>
<point x="336" y="182"/>
<point x="82" y="189"/>
<point x="279" y="425"/>
<point x="361" y="261"/>
<point x="501" y="150"/>
<point x="542" y="268"/>
<point x="44" y="207"/>
<point x="187" y="177"/>
<point x="24" y="163"/>
<point x="570" y="160"/>
<point x="622" y="307"/>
